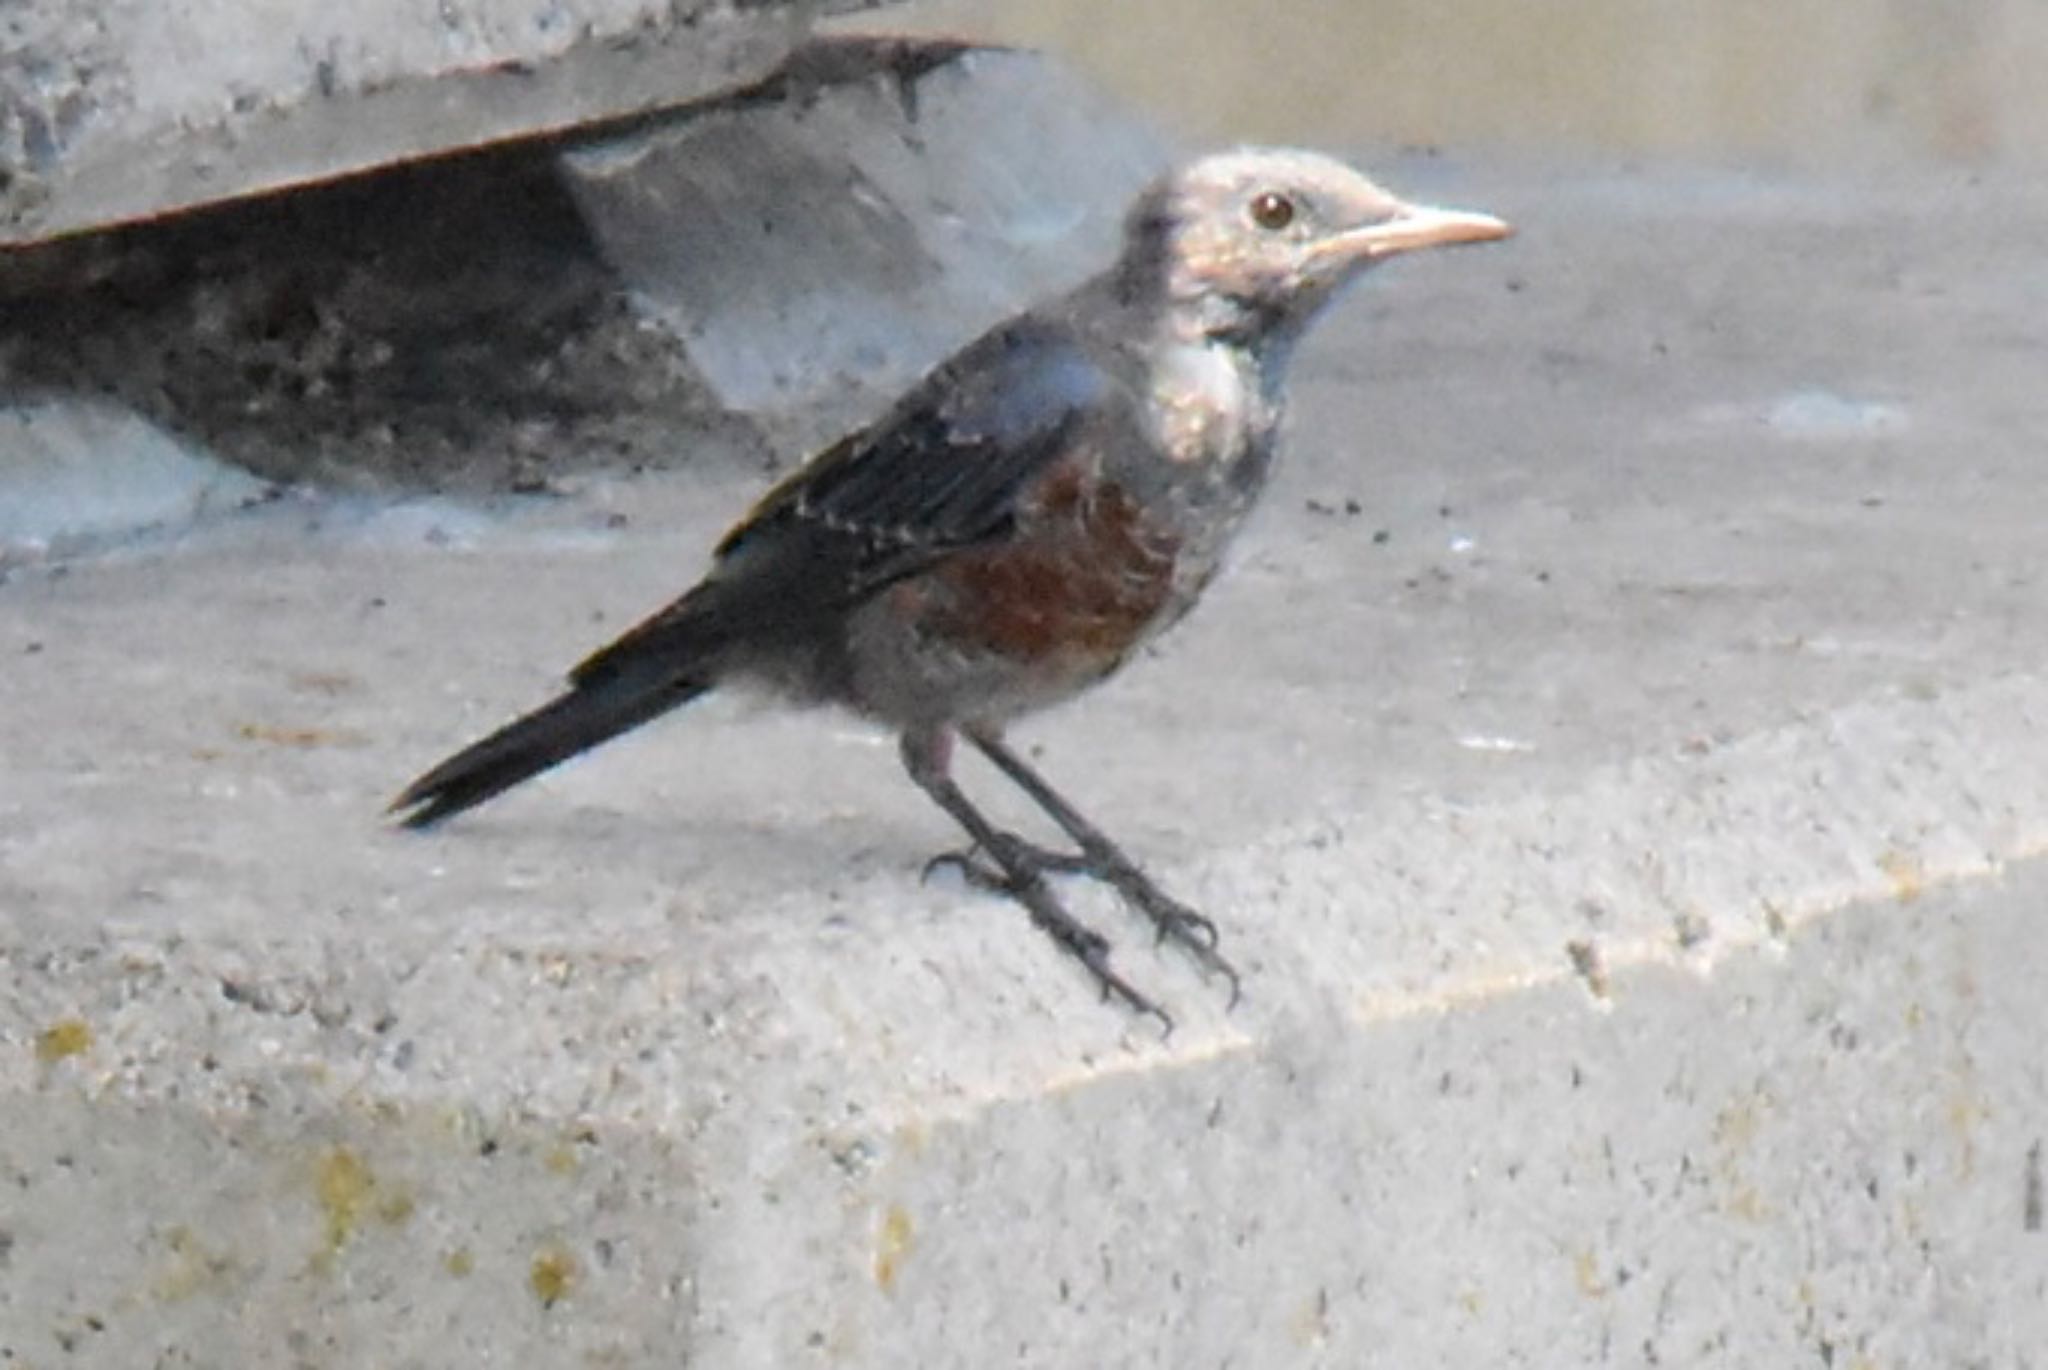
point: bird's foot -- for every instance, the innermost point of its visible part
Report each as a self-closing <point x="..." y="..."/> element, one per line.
<point x="1017" y="869"/>
<point x="1089" y="947"/>
<point x="1172" y="920"/>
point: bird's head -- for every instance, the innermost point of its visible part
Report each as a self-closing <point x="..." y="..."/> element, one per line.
<point x="1246" y="246"/>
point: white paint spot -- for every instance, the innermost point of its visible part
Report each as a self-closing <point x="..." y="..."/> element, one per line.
<point x="1823" y="414"/>
<point x="1494" y="742"/>
<point x="1801" y="416"/>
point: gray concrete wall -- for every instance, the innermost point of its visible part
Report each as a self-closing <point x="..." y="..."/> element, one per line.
<point x="1816" y="84"/>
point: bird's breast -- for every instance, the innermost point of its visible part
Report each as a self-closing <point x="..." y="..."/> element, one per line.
<point x="1086" y="574"/>
<point x="1208" y="407"/>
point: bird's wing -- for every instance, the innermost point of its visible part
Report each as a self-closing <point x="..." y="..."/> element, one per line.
<point x="943" y="469"/>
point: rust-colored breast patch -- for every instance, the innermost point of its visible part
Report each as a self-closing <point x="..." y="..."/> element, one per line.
<point x="1084" y="576"/>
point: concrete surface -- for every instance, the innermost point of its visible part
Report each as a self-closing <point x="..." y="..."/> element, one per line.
<point x="124" y="109"/>
<point x="731" y="281"/>
<point x="1618" y="763"/>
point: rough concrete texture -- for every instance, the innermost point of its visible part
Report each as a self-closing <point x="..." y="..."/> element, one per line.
<point x="1618" y="763"/>
<point x="125" y="109"/>
<point x="441" y="325"/>
<point x="820" y="249"/>
<point x="735" y="279"/>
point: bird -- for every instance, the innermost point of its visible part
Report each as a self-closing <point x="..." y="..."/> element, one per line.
<point x="1027" y="517"/>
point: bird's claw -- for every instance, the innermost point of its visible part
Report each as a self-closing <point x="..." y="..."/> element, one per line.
<point x="1090" y="948"/>
<point x="1172" y="920"/>
<point x="977" y="870"/>
<point x="1193" y="931"/>
<point x="971" y="868"/>
<point x="1016" y="868"/>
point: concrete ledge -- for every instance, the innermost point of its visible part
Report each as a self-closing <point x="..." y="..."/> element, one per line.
<point x="731" y="280"/>
<point x="131" y="108"/>
<point x="1618" y="762"/>
<point x="819" y="249"/>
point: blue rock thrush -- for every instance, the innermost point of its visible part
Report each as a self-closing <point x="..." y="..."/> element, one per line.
<point x="1020" y="523"/>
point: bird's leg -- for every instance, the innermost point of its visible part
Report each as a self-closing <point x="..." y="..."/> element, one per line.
<point x="1103" y="860"/>
<point x="926" y="755"/>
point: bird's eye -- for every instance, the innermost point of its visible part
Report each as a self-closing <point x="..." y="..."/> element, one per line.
<point x="1272" y="211"/>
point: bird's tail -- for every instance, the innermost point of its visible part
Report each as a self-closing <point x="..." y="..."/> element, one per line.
<point x="590" y="713"/>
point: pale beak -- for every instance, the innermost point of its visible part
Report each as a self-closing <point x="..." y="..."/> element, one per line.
<point x="1416" y="226"/>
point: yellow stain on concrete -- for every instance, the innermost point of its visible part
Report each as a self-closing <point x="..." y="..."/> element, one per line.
<point x="553" y="1275"/>
<point x="1966" y="1112"/>
<point x="892" y="1246"/>
<point x="1736" y="1129"/>
<point x="190" y="1268"/>
<point x="1737" y="1125"/>
<point x="1911" y="1218"/>
<point x="279" y="735"/>
<point x="343" y="1185"/>
<point x="348" y="1192"/>
<point x="1747" y="1204"/>
<point x="460" y="1262"/>
<point x="64" y="1038"/>
<point x="1586" y="1274"/>
<point x="1905" y="871"/>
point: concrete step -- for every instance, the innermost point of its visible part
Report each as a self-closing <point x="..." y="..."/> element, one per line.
<point x="1617" y="762"/>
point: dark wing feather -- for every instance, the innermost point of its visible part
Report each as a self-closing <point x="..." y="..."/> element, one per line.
<point x="943" y="469"/>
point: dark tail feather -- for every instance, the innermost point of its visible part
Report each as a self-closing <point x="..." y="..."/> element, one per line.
<point x="550" y="735"/>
